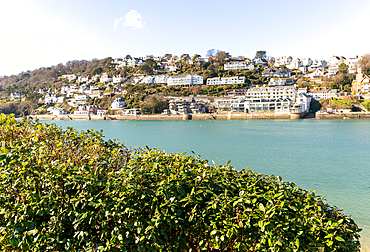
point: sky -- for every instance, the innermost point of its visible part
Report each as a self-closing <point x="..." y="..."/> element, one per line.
<point x="42" y="33"/>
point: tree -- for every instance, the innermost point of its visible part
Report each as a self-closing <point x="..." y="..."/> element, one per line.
<point x="221" y="56"/>
<point x="153" y="105"/>
<point x="364" y="64"/>
<point x="260" y="55"/>
<point x="342" y="68"/>
<point x="195" y="58"/>
<point x="146" y="69"/>
<point x="211" y="52"/>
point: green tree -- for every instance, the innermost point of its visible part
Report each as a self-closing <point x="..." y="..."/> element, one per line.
<point x="146" y="69"/>
<point x="260" y="55"/>
<point x="342" y="68"/>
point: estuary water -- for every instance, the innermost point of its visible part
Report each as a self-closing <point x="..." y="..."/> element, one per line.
<point x="329" y="156"/>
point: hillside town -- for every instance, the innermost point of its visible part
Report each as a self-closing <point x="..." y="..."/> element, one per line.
<point x="170" y="85"/>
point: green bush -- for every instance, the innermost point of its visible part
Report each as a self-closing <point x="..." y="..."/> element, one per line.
<point x="63" y="190"/>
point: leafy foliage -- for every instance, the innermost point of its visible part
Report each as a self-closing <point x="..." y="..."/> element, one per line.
<point x="63" y="190"/>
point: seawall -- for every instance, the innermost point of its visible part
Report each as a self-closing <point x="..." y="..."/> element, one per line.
<point x="214" y="116"/>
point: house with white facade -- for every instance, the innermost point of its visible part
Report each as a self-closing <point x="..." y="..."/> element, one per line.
<point x="316" y="74"/>
<point x="318" y="64"/>
<point x="281" y="81"/>
<point x="118" y="79"/>
<point x="272" y="72"/>
<point x="236" y="65"/>
<point x="82" y="79"/>
<point x="155" y="79"/>
<point x="118" y="104"/>
<point x="53" y="98"/>
<point x="352" y="64"/>
<point x="185" y="80"/>
<point x="318" y="94"/>
<point x="218" y="81"/>
<point x="283" y="61"/>
<point x="171" y="68"/>
<point x="69" y="77"/>
<point x="15" y="96"/>
<point x="78" y="100"/>
<point x="336" y="61"/>
<point x="56" y="111"/>
<point x="87" y="110"/>
<point x="295" y="64"/>
<point x="105" y="78"/>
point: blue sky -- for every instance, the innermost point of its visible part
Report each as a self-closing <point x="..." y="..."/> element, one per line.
<point x="41" y="33"/>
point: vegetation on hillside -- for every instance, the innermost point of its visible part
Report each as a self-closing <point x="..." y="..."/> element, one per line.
<point x="63" y="190"/>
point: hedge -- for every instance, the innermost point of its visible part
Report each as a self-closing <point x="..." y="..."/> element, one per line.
<point x="64" y="190"/>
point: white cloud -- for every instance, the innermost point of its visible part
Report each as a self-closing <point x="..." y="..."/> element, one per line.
<point x="131" y="19"/>
<point x="116" y="22"/>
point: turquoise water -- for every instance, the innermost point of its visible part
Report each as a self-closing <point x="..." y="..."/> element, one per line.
<point x="329" y="156"/>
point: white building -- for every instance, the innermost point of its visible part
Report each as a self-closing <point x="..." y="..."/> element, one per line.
<point x="87" y="110"/>
<point x="118" y="79"/>
<point x="233" y="105"/>
<point x="155" y="79"/>
<point x="269" y="93"/>
<point x="81" y="79"/>
<point x="236" y="65"/>
<point x="321" y="94"/>
<point x="118" y="104"/>
<point x="53" y="99"/>
<point x="280" y="81"/>
<point x="105" y="78"/>
<point x="316" y="74"/>
<point x="15" y="96"/>
<point x="352" y="64"/>
<point x="78" y="100"/>
<point x="56" y="111"/>
<point x="217" y="81"/>
<point x="295" y="64"/>
<point x="171" y="68"/>
<point x="283" y="61"/>
<point x="185" y="80"/>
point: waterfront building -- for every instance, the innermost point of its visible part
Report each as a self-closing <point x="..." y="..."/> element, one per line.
<point x="271" y="93"/>
<point x="218" y="81"/>
<point x="185" y="80"/>
<point x="87" y="110"/>
<point x="132" y="112"/>
<point x="56" y="111"/>
<point x="118" y="104"/>
<point x="233" y="105"/>
<point x="186" y="106"/>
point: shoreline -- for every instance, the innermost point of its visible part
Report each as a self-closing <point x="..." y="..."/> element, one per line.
<point x="213" y="116"/>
